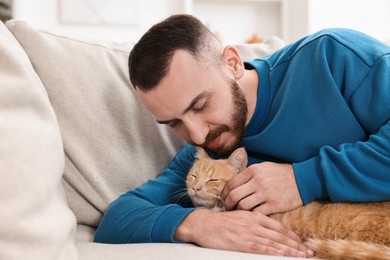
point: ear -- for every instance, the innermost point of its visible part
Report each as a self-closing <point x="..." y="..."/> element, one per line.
<point x="200" y="153"/>
<point x="238" y="159"/>
<point x="232" y="58"/>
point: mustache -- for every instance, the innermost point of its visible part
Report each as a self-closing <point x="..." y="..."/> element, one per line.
<point x="215" y="133"/>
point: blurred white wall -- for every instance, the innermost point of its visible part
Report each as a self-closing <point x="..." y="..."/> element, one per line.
<point x="235" y="20"/>
<point x="369" y="16"/>
<point x="45" y="14"/>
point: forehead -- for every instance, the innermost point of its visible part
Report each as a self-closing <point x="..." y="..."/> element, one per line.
<point x="185" y="80"/>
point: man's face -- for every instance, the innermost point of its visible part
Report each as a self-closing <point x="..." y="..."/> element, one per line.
<point x="201" y="104"/>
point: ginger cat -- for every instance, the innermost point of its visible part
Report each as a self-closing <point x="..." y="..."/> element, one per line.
<point x="355" y="231"/>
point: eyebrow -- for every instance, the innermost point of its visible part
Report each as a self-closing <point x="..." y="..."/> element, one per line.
<point x="192" y="104"/>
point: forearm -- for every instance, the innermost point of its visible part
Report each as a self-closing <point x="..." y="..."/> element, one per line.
<point x="187" y="230"/>
<point x="183" y="231"/>
<point x="348" y="172"/>
<point x="131" y="219"/>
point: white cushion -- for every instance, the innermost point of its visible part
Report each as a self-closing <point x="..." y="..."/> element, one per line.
<point x="163" y="251"/>
<point x="35" y="221"/>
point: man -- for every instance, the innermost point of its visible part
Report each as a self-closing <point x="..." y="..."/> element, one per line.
<point x="313" y="117"/>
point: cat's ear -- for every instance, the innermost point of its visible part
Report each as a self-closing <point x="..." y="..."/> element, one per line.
<point x="200" y="153"/>
<point x="238" y="159"/>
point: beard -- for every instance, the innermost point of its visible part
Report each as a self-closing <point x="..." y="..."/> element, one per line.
<point x="239" y="113"/>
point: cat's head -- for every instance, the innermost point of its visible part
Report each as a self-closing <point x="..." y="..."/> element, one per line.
<point x="207" y="177"/>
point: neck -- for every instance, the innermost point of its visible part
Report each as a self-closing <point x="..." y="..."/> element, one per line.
<point x="249" y="85"/>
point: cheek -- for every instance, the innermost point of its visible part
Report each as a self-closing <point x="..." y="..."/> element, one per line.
<point x="189" y="181"/>
<point x="182" y="133"/>
<point x="221" y="113"/>
<point x="215" y="188"/>
<point x="189" y="184"/>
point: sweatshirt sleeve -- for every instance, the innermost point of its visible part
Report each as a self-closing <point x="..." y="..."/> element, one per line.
<point x="152" y="212"/>
<point x="357" y="171"/>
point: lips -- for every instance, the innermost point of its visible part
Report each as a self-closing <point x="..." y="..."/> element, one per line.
<point x="214" y="143"/>
<point x="213" y="139"/>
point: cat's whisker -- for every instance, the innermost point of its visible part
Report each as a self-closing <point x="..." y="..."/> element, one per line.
<point x="178" y="193"/>
<point x="220" y="199"/>
<point x="180" y="196"/>
<point x="214" y="196"/>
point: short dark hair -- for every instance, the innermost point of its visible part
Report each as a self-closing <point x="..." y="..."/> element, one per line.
<point x="150" y="57"/>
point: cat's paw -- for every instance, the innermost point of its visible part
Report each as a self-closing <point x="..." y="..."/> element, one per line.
<point x="218" y="209"/>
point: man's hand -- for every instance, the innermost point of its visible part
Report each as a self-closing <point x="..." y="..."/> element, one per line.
<point x="265" y="187"/>
<point x="242" y="231"/>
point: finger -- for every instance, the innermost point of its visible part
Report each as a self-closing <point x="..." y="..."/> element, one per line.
<point x="272" y="224"/>
<point x="288" y="251"/>
<point x="267" y="208"/>
<point x="301" y="251"/>
<point x="262" y="246"/>
<point x="235" y="182"/>
<point x="273" y="239"/>
<point x="250" y="202"/>
<point x="236" y="195"/>
<point x="264" y="208"/>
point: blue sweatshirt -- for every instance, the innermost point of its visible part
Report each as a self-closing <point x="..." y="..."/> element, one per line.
<point x="323" y="105"/>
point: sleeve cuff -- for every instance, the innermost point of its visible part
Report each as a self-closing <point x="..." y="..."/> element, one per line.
<point x="310" y="180"/>
<point x="167" y="222"/>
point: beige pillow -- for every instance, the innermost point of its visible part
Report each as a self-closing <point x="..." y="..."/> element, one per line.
<point x="35" y="221"/>
<point x="252" y="51"/>
<point x="111" y="142"/>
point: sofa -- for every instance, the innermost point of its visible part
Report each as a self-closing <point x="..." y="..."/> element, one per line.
<point x="73" y="137"/>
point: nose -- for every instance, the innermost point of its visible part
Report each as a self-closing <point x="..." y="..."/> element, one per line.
<point x="197" y="131"/>
<point x="196" y="188"/>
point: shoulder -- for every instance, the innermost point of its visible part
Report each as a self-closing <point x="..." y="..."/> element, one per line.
<point x="338" y="44"/>
<point x="358" y="44"/>
<point x="187" y="153"/>
<point x="347" y="37"/>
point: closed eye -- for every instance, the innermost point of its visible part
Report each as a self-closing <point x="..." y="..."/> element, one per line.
<point x="201" y="106"/>
<point x="174" y="123"/>
<point x="171" y="123"/>
<point x="215" y="180"/>
<point x="198" y="104"/>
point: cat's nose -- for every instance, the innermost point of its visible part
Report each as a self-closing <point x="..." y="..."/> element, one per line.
<point x="196" y="189"/>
